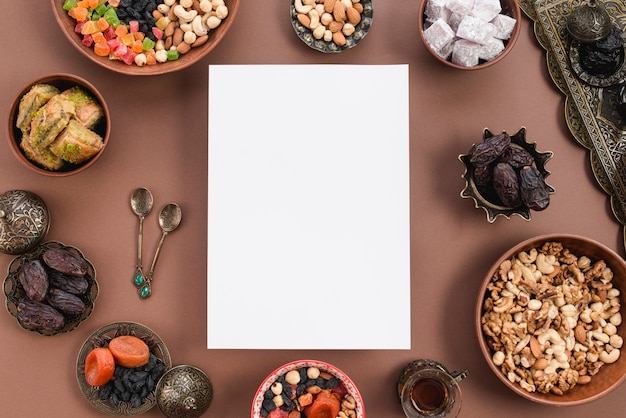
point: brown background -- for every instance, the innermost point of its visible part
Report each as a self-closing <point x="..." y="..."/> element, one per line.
<point x="159" y="140"/>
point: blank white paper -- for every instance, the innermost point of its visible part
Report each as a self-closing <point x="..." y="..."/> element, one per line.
<point x="308" y="207"/>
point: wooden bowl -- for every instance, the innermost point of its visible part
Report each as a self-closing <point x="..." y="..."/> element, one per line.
<point x="610" y="375"/>
<point x="509" y="8"/>
<point x="68" y="24"/>
<point x="61" y="81"/>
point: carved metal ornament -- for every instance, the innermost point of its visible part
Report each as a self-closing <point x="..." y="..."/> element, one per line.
<point x="591" y="112"/>
<point x="589" y="22"/>
<point x="24" y="221"/>
<point x="184" y="392"/>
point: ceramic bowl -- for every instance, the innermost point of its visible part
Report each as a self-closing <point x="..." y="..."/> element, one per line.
<point x="306" y="34"/>
<point x="598" y="381"/>
<point x="344" y="387"/>
<point x="485" y="197"/>
<point x="14" y="291"/>
<point x="101" y="338"/>
<point x="509" y="7"/>
<point x="62" y="82"/>
<point x="68" y="25"/>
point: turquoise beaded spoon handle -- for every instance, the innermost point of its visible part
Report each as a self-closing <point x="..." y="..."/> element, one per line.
<point x="169" y="219"/>
<point x="141" y="203"/>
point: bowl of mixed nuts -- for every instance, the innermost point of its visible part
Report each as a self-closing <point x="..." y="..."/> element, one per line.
<point x="149" y="37"/>
<point x="548" y="318"/>
<point x="505" y="175"/>
<point x="309" y="388"/>
<point x="331" y="26"/>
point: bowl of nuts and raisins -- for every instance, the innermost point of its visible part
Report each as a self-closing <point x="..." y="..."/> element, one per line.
<point x="52" y="289"/>
<point x="548" y="318"/>
<point x="505" y="175"/>
<point x="150" y="37"/>
<point x="311" y="387"/>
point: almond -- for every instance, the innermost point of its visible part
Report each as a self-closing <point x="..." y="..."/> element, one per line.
<point x="358" y="7"/>
<point x="200" y="40"/>
<point x="183" y="47"/>
<point x="329" y="6"/>
<point x="169" y="29"/>
<point x="353" y="15"/>
<point x="535" y="348"/>
<point x="540" y="364"/>
<point x="304" y="20"/>
<point x="580" y="334"/>
<point x="339" y="39"/>
<point x="335" y="26"/>
<point x="583" y="380"/>
<point x="339" y="11"/>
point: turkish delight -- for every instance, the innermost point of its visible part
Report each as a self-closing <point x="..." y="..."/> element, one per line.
<point x="504" y="26"/>
<point x="465" y="53"/>
<point x="475" y="30"/>
<point x="438" y="34"/>
<point x="486" y="9"/>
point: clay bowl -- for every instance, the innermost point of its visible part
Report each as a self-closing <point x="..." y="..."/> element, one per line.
<point x="68" y="24"/>
<point x="509" y="8"/>
<point x="610" y="375"/>
<point x="62" y="82"/>
<point x="345" y="385"/>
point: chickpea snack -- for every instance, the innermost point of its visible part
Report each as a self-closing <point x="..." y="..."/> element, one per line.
<point x="331" y="26"/>
<point x="548" y="318"/>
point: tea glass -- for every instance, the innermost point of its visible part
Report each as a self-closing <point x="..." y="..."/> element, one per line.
<point x="428" y="390"/>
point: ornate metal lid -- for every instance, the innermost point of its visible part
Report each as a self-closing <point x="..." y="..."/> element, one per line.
<point x="24" y="221"/>
<point x="589" y="22"/>
<point x="184" y="392"/>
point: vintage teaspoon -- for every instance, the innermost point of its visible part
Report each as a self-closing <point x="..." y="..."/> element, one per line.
<point x="141" y="202"/>
<point x="169" y="219"/>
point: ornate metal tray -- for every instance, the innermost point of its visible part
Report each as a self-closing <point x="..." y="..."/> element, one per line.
<point x="590" y="111"/>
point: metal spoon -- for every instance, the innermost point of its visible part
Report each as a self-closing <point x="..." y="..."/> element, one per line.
<point x="169" y="219"/>
<point x="141" y="202"/>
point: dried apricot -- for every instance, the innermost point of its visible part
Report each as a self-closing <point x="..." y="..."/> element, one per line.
<point x="129" y="351"/>
<point x="325" y="405"/>
<point x="99" y="366"/>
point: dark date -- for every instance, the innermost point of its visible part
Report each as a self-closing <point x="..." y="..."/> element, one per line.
<point x="489" y="149"/>
<point x="71" y="284"/>
<point x="533" y="189"/>
<point x="34" y="279"/>
<point x="516" y="157"/>
<point x="65" y="262"/>
<point x="506" y="185"/>
<point x="65" y="302"/>
<point x="39" y="316"/>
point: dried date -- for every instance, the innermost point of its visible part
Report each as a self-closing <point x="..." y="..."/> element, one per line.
<point x="34" y="279"/>
<point x="516" y="157"/>
<point x="506" y="185"/>
<point x="66" y="262"/>
<point x="482" y="175"/>
<point x="65" y="302"/>
<point x="39" y="316"/>
<point x="72" y="284"/>
<point x="489" y="149"/>
<point x="533" y="189"/>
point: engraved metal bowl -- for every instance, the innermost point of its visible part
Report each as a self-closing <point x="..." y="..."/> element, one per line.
<point x="101" y="338"/>
<point x="298" y="364"/>
<point x="589" y="22"/>
<point x="14" y="291"/>
<point x="490" y="204"/>
<point x="361" y="30"/>
<point x="24" y="221"/>
<point x="184" y="392"/>
<point x="610" y="376"/>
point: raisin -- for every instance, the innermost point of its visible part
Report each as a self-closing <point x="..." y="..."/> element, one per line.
<point x="65" y="302"/>
<point x="71" y="284"/>
<point x="39" y="316"/>
<point x="506" y="185"/>
<point x="533" y="189"/>
<point x="65" y="262"/>
<point x="516" y="157"/>
<point x="489" y="149"/>
<point x="34" y="279"/>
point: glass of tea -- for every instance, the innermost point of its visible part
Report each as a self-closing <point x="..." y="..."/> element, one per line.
<point x="428" y="390"/>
